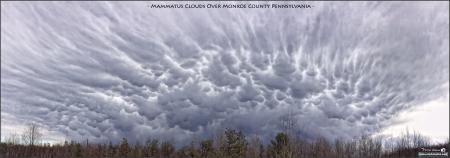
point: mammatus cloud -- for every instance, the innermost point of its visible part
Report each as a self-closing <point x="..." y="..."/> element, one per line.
<point x="103" y="70"/>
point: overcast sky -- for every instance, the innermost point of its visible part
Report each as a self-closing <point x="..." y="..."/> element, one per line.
<point x="107" y="70"/>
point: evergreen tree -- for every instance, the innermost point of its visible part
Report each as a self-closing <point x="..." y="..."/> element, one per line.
<point x="206" y="148"/>
<point x="280" y="146"/>
<point x="124" y="149"/>
<point x="235" y="145"/>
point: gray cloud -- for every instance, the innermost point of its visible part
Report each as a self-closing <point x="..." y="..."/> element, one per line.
<point x="103" y="70"/>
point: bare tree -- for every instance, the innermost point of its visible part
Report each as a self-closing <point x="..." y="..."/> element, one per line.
<point x="13" y="139"/>
<point x="339" y="149"/>
<point x="232" y="144"/>
<point x="32" y="134"/>
<point x="255" y="148"/>
<point x="167" y="149"/>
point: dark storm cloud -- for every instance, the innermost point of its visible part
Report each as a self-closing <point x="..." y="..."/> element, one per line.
<point x="109" y="70"/>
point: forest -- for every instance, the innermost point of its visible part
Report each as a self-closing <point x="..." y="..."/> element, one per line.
<point x="230" y="143"/>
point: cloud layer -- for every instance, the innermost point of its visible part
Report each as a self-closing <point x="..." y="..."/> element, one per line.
<point x="103" y="70"/>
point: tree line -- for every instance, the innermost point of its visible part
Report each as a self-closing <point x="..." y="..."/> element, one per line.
<point x="230" y="143"/>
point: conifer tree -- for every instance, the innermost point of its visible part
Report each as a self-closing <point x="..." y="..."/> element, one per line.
<point x="124" y="148"/>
